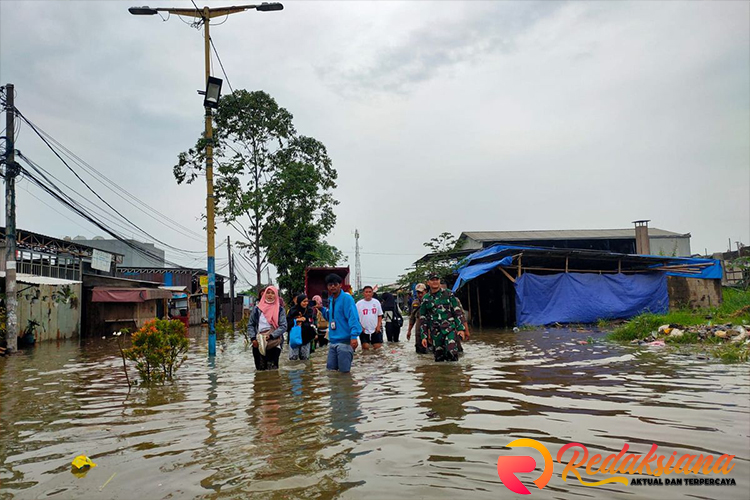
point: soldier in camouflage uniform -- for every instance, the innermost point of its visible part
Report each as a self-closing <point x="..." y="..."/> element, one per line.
<point x="441" y="317"/>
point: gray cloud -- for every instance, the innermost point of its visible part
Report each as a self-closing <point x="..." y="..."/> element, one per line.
<point x="440" y="116"/>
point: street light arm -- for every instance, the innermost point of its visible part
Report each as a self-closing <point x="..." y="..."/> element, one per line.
<point x="212" y="13"/>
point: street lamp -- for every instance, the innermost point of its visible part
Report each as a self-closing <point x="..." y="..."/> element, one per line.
<point x="213" y="91"/>
<point x="211" y="101"/>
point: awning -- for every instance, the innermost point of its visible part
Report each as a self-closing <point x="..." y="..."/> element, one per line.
<point x="32" y="279"/>
<point x="114" y="294"/>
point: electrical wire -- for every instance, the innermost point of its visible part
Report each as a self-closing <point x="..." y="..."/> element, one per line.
<point x="73" y="206"/>
<point x="221" y="65"/>
<point x="92" y="189"/>
<point x="46" y="176"/>
<point x="119" y="190"/>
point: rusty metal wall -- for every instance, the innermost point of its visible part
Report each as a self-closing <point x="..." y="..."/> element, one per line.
<point x="57" y="319"/>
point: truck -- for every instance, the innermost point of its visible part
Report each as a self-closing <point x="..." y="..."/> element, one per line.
<point x="315" y="280"/>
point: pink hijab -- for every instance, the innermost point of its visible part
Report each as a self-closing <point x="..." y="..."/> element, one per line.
<point x="318" y="300"/>
<point x="270" y="310"/>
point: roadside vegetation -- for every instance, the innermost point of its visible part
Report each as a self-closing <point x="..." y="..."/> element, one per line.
<point x="723" y="330"/>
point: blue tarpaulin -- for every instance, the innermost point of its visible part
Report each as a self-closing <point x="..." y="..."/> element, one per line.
<point x="699" y="268"/>
<point x="470" y="272"/>
<point x="702" y="268"/>
<point x="586" y="298"/>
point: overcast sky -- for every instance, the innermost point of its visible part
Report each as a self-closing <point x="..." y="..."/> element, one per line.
<point x="444" y="116"/>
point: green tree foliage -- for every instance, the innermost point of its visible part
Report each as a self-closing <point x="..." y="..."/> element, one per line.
<point x="438" y="261"/>
<point x="272" y="185"/>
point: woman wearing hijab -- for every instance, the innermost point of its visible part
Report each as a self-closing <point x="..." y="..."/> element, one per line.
<point x="266" y="329"/>
<point x="302" y="315"/>
<point x="391" y="316"/>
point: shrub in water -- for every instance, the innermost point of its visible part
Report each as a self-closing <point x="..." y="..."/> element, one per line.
<point x="159" y="349"/>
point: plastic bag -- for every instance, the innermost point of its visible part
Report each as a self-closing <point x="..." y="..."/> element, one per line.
<point x="295" y="336"/>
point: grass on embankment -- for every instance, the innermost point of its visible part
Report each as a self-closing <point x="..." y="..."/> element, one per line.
<point x="735" y="309"/>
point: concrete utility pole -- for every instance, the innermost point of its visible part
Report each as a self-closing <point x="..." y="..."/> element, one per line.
<point x="231" y="279"/>
<point x="11" y="299"/>
<point x="204" y="17"/>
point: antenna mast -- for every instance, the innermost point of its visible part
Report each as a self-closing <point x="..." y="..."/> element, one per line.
<point x="357" y="263"/>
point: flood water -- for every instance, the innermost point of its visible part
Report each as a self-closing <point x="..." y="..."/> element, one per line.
<point x="398" y="426"/>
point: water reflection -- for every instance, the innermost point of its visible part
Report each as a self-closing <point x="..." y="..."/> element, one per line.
<point x="399" y="425"/>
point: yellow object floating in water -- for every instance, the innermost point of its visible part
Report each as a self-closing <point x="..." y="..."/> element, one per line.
<point x="82" y="461"/>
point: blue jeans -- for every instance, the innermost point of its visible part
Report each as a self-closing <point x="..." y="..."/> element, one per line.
<point x="340" y="357"/>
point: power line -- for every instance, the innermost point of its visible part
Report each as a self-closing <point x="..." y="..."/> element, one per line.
<point x="92" y="189"/>
<point x="119" y="190"/>
<point x="46" y="175"/>
<point x="81" y="211"/>
<point x="220" y="63"/>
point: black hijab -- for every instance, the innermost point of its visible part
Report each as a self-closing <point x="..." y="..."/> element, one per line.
<point x="388" y="302"/>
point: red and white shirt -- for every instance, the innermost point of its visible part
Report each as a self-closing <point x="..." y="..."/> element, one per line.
<point x="369" y="310"/>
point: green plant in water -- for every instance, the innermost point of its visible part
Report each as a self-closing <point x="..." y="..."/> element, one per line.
<point x="242" y="325"/>
<point x="223" y="326"/>
<point x="119" y="336"/>
<point x="158" y="349"/>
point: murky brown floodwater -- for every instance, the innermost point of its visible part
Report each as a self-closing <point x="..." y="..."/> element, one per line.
<point x="400" y="426"/>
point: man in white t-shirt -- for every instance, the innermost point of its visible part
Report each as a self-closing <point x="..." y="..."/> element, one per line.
<point x="371" y="318"/>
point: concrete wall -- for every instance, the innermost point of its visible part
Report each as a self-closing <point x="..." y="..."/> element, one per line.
<point x="693" y="293"/>
<point x="670" y="247"/>
<point x="131" y="258"/>
<point x="57" y="320"/>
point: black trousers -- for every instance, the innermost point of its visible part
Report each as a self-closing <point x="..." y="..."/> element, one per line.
<point x="392" y="331"/>
<point x="268" y="362"/>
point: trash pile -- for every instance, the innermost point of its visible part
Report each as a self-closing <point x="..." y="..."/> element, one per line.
<point x="735" y="334"/>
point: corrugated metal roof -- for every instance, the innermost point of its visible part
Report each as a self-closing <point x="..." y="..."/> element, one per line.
<point x="31" y="279"/>
<point x="566" y="234"/>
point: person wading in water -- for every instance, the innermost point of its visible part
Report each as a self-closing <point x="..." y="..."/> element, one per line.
<point x="440" y="317"/>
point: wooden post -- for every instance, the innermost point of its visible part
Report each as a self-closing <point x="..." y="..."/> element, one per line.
<point x="507" y="275"/>
<point x="566" y="264"/>
<point x="619" y="266"/>
<point x="468" y="295"/>
<point x="479" y="309"/>
<point x="519" y="265"/>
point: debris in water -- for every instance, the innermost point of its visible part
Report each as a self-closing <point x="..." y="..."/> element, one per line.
<point x="82" y="461"/>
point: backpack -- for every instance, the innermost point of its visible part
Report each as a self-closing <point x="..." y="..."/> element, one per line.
<point x="398" y="318"/>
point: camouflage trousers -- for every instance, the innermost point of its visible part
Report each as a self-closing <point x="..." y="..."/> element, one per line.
<point x="445" y="346"/>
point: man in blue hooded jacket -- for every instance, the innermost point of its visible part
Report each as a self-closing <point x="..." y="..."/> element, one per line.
<point x="343" y="326"/>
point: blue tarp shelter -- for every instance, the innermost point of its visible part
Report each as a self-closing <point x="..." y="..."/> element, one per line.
<point x="598" y="285"/>
<point x="586" y="298"/>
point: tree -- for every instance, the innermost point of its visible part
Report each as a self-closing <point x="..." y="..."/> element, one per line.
<point x="327" y="255"/>
<point x="300" y="195"/>
<point x="272" y="185"/>
<point x="438" y="261"/>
